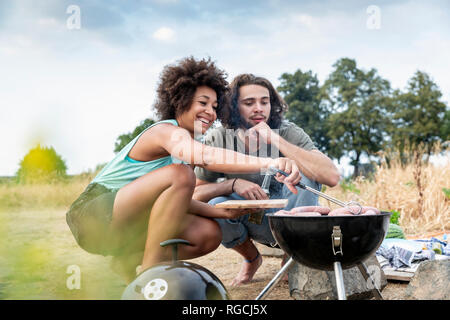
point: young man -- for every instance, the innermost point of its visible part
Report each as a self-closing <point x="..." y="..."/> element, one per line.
<point x="256" y="127"/>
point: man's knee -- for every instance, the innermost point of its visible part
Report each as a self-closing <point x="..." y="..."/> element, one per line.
<point x="217" y="200"/>
<point x="310" y="183"/>
<point x="303" y="197"/>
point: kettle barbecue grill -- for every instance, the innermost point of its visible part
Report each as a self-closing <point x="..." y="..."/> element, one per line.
<point x="178" y="280"/>
<point x="328" y="242"/>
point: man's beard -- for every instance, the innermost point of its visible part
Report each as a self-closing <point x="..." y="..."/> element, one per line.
<point x="244" y="124"/>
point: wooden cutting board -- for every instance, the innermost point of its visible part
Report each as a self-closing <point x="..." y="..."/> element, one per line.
<point x="239" y="204"/>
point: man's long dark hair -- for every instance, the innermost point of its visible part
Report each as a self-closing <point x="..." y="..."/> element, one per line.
<point x="278" y="106"/>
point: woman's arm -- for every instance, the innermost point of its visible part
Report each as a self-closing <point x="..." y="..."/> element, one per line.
<point x="165" y="139"/>
<point x="207" y="210"/>
<point x="179" y="143"/>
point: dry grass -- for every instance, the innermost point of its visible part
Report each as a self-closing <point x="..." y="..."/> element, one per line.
<point x="414" y="190"/>
<point x="54" y="195"/>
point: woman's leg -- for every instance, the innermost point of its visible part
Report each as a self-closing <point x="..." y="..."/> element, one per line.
<point x="154" y="208"/>
<point x="206" y="241"/>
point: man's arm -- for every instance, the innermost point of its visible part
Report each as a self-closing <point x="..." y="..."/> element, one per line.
<point x="205" y="191"/>
<point x="314" y="164"/>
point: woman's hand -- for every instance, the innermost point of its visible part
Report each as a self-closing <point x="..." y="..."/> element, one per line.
<point x="233" y="213"/>
<point x="249" y="190"/>
<point x="290" y="167"/>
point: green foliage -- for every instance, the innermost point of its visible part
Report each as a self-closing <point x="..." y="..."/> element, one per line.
<point x="41" y="164"/>
<point x="446" y="192"/>
<point x="301" y="91"/>
<point x="418" y="115"/>
<point x="357" y="101"/>
<point x="395" y="231"/>
<point x="124" y="139"/>
<point x="445" y="128"/>
<point x="395" y="217"/>
<point x="347" y="185"/>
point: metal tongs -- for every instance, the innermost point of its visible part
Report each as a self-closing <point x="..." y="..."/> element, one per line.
<point x="273" y="171"/>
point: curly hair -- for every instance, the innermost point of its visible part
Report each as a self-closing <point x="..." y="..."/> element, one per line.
<point x="179" y="81"/>
<point x="278" y="105"/>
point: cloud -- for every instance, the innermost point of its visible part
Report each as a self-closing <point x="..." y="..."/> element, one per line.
<point x="47" y="22"/>
<point x="304" y="19"/>
<point x="164" y="34"/>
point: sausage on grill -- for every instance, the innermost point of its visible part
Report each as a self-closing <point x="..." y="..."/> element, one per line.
<point x="352" y="210"/>
<point x="319" y="209"/>
<point x="306" y="214"/>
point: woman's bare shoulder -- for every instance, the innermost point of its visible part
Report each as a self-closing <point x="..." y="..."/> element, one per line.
<point x="155" y="142"/>
<point x="165" y="131"/>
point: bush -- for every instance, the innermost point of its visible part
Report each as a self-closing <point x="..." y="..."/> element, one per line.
<point x="348" y="185"/>
<point x="395" y="217"/>
<point x="41" y="165"/>
<point x="446" y="192"/>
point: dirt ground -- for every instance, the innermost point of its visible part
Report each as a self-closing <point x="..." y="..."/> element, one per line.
<point x="225" y="264"/>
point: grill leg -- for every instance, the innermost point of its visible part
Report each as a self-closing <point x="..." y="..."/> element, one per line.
<point x="365" y="273"/>
<point x="339" y="281"/>
<point x="275" y="279"/>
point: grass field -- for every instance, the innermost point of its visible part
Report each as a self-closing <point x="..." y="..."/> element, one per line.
<point x="38" y="252"/>
<point x="38" y="256"/>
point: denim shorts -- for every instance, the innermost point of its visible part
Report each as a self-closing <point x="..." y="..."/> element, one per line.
<point x="89" y="218"/>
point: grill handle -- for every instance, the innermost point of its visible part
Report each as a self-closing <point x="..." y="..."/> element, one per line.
<point x="174" y="243"/>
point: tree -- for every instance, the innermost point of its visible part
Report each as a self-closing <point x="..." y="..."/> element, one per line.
<point x="445" y="129"/>
<point x="419" y="117"/>
<point x="301" y="92"/>
<point x="124" y="139"/>
<point x="357" y="101"/>
<point x="41" y="164"/>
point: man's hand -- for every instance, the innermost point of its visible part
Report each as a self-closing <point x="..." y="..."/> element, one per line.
<point x="262" y="132"/>
<point x="290" y="167"/>
<point x="249" y="190"/>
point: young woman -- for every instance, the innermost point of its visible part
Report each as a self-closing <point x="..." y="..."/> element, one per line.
<point x="144" y="195"/>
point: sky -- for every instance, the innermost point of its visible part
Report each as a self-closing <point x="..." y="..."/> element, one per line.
<point x="75" y="75"/>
